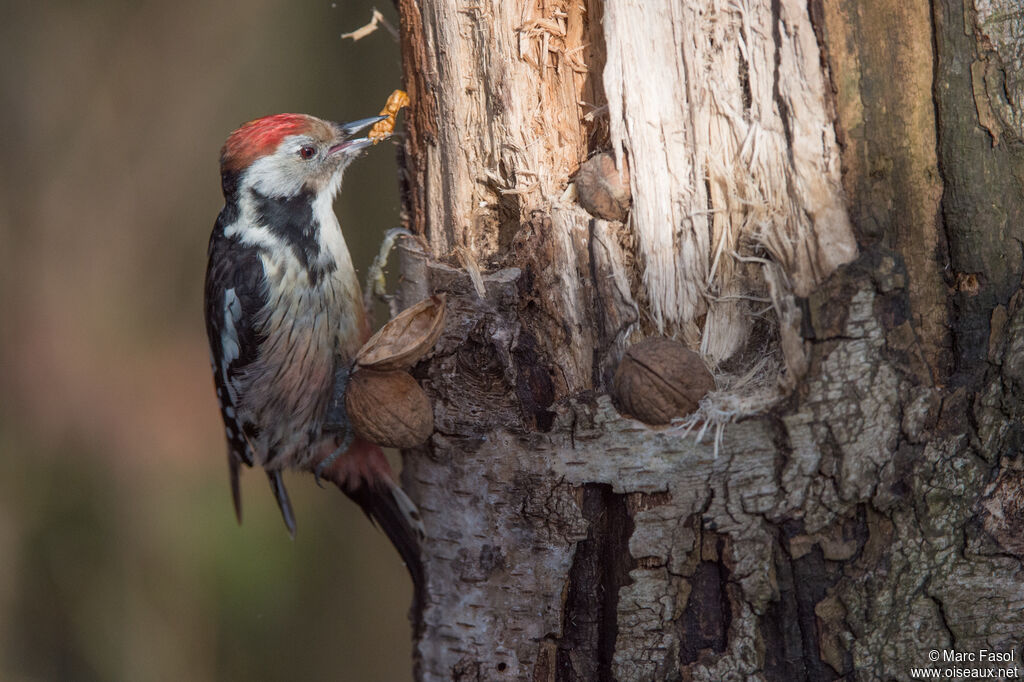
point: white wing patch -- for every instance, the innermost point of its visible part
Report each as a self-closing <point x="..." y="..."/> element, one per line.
<point x="229" y="337"/>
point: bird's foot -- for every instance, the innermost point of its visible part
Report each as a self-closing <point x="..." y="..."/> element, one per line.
<point x="336" y="418"/>
<point x="376" y="284"/>
<point x="330" y="459"/>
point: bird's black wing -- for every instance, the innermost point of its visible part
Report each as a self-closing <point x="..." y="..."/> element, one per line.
<point x="234" y="299"/>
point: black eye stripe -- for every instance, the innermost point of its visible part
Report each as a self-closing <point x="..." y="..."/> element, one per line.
<point x="307" y="152"/>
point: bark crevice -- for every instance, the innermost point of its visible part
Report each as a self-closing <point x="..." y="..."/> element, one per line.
<point x="600" y="568"/>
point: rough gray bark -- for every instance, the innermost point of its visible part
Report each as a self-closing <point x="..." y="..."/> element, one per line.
<point x="873" y="510"/>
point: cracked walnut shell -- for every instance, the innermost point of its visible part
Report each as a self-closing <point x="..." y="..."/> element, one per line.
<point x="405" y="338"/>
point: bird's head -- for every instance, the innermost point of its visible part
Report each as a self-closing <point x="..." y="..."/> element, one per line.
<point x="285" y="154"/>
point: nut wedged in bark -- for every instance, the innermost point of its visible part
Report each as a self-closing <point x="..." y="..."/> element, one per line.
<point x="601" y="189"/>
<point x="388" y="408"/>
<point x="660" y="379"/>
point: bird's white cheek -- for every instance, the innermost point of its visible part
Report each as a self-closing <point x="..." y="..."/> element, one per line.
<point x="274" y="177"/>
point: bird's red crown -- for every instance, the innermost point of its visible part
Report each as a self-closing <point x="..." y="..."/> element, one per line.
<point x="257" y="138"/>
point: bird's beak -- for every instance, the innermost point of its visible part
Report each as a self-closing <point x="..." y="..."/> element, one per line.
<point x="346" y="130"/>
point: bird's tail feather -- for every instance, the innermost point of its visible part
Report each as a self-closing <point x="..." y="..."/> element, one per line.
<point x="281" y="495"/>
<point x="236" y="491"/>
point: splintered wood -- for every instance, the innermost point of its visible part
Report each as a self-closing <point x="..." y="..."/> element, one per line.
<point x="735" y="172"/>
<point x="384" y="128"/>
<point x="718" y="108"/>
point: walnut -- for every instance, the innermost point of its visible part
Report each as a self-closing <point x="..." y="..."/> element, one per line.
<point x="385" y="405"/>
<point x="397" y="101"/>
<point x="601" y="190"/>
<point x="660" y="379"/>
<point x="388" y="408"/>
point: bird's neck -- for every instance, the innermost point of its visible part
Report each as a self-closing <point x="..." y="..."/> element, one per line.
<point x="329" y="236"/>
<point x="303" y="225"/>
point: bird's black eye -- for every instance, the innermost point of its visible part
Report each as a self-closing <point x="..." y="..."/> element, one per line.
<point x="307" y="152"/>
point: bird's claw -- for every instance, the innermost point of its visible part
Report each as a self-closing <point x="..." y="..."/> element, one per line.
<point x="376" y="283"/>
<point x="331" y="458"/>
<point x="336" y="420"/>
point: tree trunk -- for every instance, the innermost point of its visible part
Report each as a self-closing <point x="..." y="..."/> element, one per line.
<point x="827" y="205"/>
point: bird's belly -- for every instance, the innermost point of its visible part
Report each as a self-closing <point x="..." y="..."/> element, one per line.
<point x="293" y="384"/>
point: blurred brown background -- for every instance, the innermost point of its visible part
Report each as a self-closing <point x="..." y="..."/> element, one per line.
<point x="120" y="558"/>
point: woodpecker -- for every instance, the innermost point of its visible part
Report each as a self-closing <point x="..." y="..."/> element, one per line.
<point x="285" y="318"/>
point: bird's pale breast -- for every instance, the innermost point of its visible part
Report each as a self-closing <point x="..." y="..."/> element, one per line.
<point x="309" y="326"/>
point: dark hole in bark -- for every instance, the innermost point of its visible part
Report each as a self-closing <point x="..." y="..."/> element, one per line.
<point x="508" y="217"/>
<point x="745" y="81"/>
<point x="600" y="568"/>
<point x="595" y="54"/>
<point x="789" y="627"/>
<point x="534" y="388"/>
<point x="705" y="622"/>
<point x="780" y="102"/>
